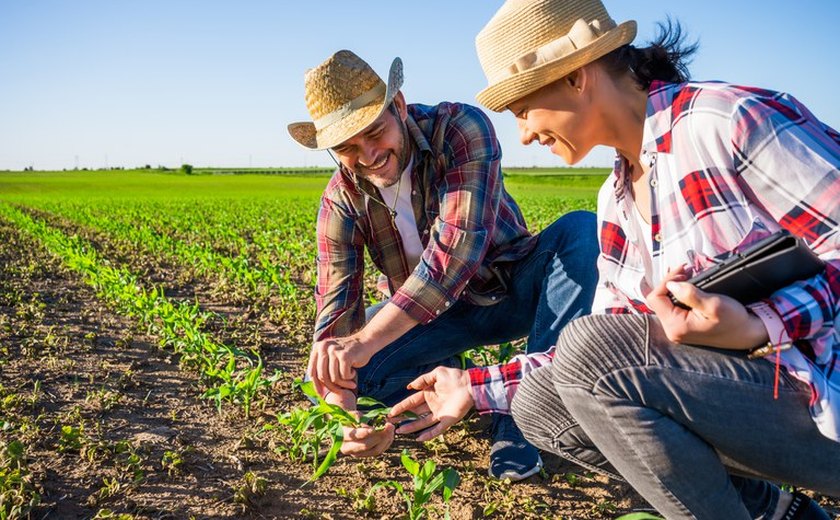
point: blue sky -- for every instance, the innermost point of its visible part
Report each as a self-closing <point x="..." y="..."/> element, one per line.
<point x="126" y="83"/>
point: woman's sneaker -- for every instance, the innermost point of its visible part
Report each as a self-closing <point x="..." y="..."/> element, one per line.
<point x="511" y="456"/>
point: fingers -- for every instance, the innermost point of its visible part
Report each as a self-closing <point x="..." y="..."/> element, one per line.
<point x="337" y="371"/>
<point x="438" y="429"/>
<point x="659" y="299"/>
<point x="327" y="371"/>
<point x="408" y="404"/>
<point x="425" y="381"/>
<point x="418" y="424"/>
<point x="346" y="371"/>
<point x="366" y="441"/>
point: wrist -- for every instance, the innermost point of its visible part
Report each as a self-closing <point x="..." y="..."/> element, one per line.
<point x="465" y="382"/>
<point x="364" y="343"/>
<point x="757" y="331"/>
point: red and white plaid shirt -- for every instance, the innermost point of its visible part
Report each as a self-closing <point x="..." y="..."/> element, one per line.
<point x="730" y="165"/>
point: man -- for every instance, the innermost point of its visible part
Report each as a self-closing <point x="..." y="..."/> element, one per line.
<point x="421" y="189"/>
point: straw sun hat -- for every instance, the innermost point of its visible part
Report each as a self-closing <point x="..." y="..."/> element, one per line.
<point x="344" y="96"/>
<point x="530" y="43"/>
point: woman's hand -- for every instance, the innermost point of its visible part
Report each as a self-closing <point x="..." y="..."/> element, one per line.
<point x="714" y="320"/>
<point x="443" y="399"/>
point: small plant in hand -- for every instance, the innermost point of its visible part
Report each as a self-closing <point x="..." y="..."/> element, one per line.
<point x="427" y="480"/>
<point x="311" y="428"/>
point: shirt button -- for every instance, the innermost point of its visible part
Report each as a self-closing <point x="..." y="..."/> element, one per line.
<point x="653" y="182"/>
<point x="425" y="231"/>
<point x="493" y="298"/>
<point x="446" y="304"/>
<point x="437" y="311"/>
<point x="414" y="192"/>
<point x="658" y="237"/>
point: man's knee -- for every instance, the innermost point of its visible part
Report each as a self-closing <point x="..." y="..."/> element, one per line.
<point x="577" y="229"/>
<point x="592" y="347"/>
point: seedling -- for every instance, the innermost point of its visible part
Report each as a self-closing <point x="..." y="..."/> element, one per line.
<point x="426" y="482"/>
<point x="310" y="428"/>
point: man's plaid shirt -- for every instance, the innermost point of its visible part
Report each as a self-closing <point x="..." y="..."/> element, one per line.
<point x="730" y="165"/>
<point x="468" y="224"/>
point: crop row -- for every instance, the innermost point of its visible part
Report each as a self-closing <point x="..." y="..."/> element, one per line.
<point x="229" y="374"/>
<point x="269" y="271"/>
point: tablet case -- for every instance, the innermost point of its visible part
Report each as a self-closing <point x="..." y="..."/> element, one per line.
<point x="760" y="270"/>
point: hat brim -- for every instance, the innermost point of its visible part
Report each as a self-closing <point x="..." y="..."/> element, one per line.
<point x="307" y="136"/>
<point x="498" y="96"/>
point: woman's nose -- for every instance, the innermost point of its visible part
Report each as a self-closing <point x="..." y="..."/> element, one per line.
<point x="525" y="134"/>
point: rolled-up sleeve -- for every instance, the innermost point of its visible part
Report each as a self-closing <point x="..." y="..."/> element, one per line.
<point x="340" y="263"/>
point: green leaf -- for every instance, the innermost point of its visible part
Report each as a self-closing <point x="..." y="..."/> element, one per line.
<point x="371" y="415"/>
<point x="332" y="455"/>
<point x="410" y="464"/>
<point x="450" y="482"/>
<point x="371" y="402"/>
<point x="308" y="388"/>
<point x="428" y="469"/>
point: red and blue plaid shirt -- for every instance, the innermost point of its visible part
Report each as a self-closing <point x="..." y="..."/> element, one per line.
<point x="729" y="165"/>
<point x="468" y="225"/>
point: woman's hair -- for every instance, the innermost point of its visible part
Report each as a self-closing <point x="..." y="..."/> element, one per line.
<point x="665" y="59"/>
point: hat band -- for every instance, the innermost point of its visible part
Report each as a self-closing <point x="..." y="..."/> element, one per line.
<point x="354" y="104"/>
<point x="581" y="35"/>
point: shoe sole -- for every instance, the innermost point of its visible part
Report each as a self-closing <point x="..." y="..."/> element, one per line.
<point x="516" y="477"/>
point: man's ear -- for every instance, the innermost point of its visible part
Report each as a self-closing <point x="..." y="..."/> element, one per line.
<point x="578" y="79"/>
<point x="399" y="102"/>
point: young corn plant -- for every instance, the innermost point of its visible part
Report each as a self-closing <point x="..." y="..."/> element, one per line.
<point x="427" y="480"/>
<point x="17" y="492"/>
<point x="310" y="429"/>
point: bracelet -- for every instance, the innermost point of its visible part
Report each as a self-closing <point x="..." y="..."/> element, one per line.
<point x="766" y="349"/>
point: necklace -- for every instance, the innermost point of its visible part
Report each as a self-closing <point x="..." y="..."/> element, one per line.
<point x="393" y="207"/>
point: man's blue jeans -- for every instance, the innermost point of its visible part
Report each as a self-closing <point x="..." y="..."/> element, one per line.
<point x="552" y="285"/>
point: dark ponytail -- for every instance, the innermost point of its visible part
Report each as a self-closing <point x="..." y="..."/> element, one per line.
<point x="665" y="59"/>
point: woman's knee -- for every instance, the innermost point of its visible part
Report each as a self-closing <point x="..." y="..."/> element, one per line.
<point x="537" y="410"/>
<point x="592" y="347"/>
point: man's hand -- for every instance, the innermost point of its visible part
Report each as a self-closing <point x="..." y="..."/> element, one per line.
<point x="714" y="320"/>
<point x="443" y="399"/>
<point x="333" y="363"/>
<point x="362" y="441"/>
<point x="367" y="441"/>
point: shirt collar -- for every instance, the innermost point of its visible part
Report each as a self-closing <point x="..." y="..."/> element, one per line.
<point x="417" y="135"/>
<point x="660" y="116"/>
<point x="656" y="135"/>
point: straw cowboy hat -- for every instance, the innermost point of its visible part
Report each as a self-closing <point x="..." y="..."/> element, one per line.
<point x="530" y="43"/>
<point x="344" y="96"/>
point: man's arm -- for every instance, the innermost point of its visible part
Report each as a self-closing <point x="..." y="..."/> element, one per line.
<point x="470" y="194"/>
<point x="340" y="263"/>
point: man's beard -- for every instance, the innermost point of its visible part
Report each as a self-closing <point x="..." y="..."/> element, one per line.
<point x="402" y="161"/>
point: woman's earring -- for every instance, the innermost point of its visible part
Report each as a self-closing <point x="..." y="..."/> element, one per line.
<point x="578" y="89"/>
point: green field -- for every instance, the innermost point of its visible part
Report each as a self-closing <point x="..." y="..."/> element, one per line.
<point x="208" y="277"/>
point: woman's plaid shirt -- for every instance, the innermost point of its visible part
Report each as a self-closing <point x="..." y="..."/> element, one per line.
<point x="730" y="165"/>
<point x="468" y="224"/>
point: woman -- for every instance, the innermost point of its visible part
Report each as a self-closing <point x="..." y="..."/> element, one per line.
<point x="669" y="396"/>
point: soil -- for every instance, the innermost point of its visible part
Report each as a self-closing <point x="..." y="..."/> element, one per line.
<point x="143" y="442"/>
